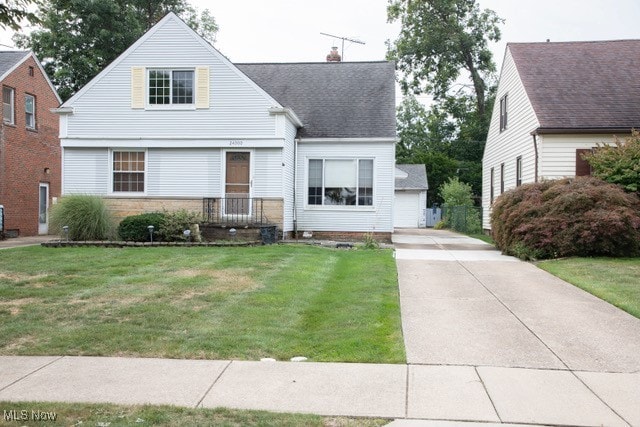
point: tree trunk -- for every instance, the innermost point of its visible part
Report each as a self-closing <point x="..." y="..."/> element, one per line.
<point x="478" y="83"/>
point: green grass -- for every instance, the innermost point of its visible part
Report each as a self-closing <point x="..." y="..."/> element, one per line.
<point x="484" y="237"/>
<point x="615" y="280"/>
<point x="68" y="414"/>
<point x="210" y="303"/>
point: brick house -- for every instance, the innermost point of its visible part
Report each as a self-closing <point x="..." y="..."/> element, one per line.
<point x="29" y="145"/>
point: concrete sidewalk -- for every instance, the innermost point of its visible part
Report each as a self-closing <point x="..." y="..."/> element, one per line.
<point x="409" y="392"/>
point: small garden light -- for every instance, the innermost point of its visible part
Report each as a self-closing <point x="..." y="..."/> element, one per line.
<point x="187" y="235"/>
<point x="65" y="230"/>
<point x="232" y="233"/>
<point x="150" y="228"/>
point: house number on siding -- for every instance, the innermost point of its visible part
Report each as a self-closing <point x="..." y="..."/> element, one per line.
<point x="236" y="143"/>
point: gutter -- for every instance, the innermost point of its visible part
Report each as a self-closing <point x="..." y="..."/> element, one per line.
<point x="288" y="112"/>
<point x="295" y="189"/>
<point x="596" y="130"/>
<point x="62" y="110"/>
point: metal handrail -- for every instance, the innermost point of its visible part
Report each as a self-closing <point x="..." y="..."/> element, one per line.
<point x="234" y="211"/>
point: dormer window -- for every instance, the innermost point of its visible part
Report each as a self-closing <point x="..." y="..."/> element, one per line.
<point x="167" y="87"/>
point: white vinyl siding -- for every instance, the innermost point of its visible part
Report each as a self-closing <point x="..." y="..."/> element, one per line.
<point x="512" y="142"/>
<point x="376" y="218"/>
<point x="267" y="172"/>
<point x="558" y="153"/>
<point x="85" y="171"/>
<point x="238" y="110"/>
<point x="184" y="173"/>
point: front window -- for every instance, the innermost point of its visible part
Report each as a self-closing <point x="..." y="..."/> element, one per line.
<point x="30" y="111"/>
<point x="7" y="104"/>
<point x="167" y="87"/>
<point x="340" y="182"/>
<point x="128" y="171"/>
<point x="518" y="171"/>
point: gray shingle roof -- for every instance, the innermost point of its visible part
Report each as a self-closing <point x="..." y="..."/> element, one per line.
<point x="416" y="178"/>
<point x="9" y="58"/>
<point x="574" y="85"/>
<point x="333" y="100"/>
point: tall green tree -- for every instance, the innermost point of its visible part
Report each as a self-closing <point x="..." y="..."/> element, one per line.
<point x="78" y="38"/>
<point x="443" y="50"/>
<point x="439" y="40"/>
<point x="13" y="12"/>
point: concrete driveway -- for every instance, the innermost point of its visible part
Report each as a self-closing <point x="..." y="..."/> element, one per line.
<point x="542" y="349"/>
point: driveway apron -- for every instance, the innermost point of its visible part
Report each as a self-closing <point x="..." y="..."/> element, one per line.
<point x="463" y="303"/>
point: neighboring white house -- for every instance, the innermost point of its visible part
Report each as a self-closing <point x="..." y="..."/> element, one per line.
<point x="554" y="102"/>
<point x="410" y="204"/>
<point x="172" y="123"/>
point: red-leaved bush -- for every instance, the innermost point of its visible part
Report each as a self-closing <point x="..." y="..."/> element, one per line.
<point x="570" y="217"/>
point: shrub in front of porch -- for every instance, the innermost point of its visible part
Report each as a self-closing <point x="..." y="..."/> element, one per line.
<point x="167" y="226"/>
<point x="570" y="217"/>
<point x="135" y="228"/>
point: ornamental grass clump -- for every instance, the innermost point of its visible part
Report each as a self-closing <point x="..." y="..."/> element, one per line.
<point x="570" y="217"/>
<point x="87" y="217"/>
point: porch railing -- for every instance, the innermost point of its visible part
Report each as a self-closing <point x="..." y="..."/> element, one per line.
<point x="234" y="211"/>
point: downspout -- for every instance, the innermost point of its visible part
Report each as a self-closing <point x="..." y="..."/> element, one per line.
<point x="535" y="148"/>
<point x="295" y="180"/>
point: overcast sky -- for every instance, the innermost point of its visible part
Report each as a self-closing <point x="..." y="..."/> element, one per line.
<point x="289" y="30"/>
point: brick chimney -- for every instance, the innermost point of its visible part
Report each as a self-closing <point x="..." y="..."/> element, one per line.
<point x="334" y="56"/>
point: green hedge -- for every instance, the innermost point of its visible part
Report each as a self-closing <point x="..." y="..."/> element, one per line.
<point x="135" y="228"/>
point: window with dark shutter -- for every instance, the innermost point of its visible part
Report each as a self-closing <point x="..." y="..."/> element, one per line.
<point x="583" y="168"/>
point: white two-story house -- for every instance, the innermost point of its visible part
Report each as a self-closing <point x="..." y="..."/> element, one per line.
<point x="172" y="124"/>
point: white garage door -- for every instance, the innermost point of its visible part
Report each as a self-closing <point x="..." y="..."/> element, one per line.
<point x="406" y="209"/>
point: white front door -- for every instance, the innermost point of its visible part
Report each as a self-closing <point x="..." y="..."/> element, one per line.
<point x="43" y="209"/>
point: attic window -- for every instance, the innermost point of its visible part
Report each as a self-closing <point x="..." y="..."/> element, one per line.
<point x="503" y="113"/>
<point x="167" y="87"/>
<point x="30" y="71"/>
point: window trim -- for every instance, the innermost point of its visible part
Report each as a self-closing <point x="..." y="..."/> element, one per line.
<point x="33" y="113"/>
<point x="170" y="105"/>
<point x="349" y="208"/>
<point x="13" y="105"/>
<point x="504" y="109"/>
<point x="112" y="152"/>
<point x="518" y="171"/>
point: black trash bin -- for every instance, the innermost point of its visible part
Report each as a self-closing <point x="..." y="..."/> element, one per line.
<point x="268" y="234"/>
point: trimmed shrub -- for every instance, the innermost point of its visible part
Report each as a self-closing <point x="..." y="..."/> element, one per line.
<point x="134" y="228"/>
<point x="86" y="216"/>
<point x="570" y="217"/>
<point x="174" y="224"/>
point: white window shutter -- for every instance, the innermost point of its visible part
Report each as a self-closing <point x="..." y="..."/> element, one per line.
<point x="137" y="87"/>
<point x="202" y="87"/>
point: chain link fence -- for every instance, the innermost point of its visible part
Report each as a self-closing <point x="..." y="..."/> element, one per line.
<point x="465" y="219"/>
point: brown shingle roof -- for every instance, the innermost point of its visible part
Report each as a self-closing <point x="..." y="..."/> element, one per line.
<point x="582" y="85"/>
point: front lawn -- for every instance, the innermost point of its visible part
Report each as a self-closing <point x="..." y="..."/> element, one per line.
<point x="616" y="280"/>
<point x="75" y="414"/>
<point x="213" y="303"/>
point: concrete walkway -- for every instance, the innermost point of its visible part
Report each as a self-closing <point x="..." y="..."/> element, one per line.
<point x="489" y="339"/>
<point x="24" y="241"/>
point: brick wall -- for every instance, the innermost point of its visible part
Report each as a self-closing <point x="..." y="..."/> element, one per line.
<point x="28" y="157"/>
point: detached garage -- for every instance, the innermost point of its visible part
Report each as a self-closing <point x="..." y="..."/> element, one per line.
<point x="410" y="201"/>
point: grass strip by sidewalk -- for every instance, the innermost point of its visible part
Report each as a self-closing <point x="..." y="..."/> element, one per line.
<point x="211" y="303"/>
<point x="73" y="414"/>
<point x="615" y="280"/>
